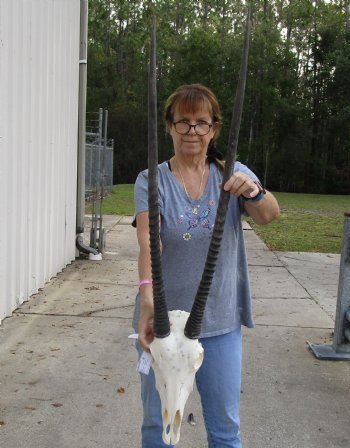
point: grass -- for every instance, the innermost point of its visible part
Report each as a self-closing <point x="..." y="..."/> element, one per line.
<point x="119" y="202"/>
<point x="308" y="222"/>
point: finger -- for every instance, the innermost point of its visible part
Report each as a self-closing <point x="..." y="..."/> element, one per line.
<point x="144" y="342"/>
<point x="229" y="184"/>
<point x="146" y="348"/>
<point x="242" y="187"/>
<point x="253" y="192"/>
<point x="236" y="185"/>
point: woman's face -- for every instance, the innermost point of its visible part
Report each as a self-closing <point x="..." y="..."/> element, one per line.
<point x="192" y="144"/>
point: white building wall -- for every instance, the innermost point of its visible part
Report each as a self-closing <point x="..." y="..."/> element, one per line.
<point x="39" y="76"/>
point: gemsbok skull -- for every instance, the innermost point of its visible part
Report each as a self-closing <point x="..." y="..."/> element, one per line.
<point x="177" y="353"/>
<point x="176" y="361"/>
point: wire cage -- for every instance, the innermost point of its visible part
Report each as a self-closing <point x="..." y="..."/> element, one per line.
<point x="98" y="172"/>
<point x="98" y="158"/>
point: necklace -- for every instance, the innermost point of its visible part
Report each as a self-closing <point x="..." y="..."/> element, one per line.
<point x="184" y="185"/>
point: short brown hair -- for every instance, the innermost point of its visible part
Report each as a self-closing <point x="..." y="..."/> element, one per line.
<point x="190" y="98"/>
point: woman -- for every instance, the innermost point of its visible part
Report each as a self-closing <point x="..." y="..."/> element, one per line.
<point x="189" y="189"/>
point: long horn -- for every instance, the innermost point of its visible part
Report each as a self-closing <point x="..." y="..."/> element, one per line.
<point x="194" y="322"/>
<point x="161" y="325"/>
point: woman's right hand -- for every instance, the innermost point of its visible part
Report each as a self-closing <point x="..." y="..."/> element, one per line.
<point x="145" y="327"/>
<point x="146" y="335"/>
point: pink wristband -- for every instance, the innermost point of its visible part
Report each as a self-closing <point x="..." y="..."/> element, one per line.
<point x="145" y="282"/>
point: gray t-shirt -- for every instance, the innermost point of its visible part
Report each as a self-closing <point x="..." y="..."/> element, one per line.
<point x="186" y="229"/>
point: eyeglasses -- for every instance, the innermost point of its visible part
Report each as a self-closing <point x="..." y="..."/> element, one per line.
<point x="183" y="128"/>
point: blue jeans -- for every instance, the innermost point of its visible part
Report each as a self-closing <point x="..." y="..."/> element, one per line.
<point x="219" y="385"/>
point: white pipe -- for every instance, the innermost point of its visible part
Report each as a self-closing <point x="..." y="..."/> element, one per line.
<point x="80" y="212"/>
<point x="82" y="117"/>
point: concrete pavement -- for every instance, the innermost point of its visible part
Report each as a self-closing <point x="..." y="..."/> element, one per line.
<point x="67" y="367"/>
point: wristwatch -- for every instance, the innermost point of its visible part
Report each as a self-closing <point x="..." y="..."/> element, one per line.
<point x="260" y="195"/>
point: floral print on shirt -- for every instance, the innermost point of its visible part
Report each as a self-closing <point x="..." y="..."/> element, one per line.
<point x="194" y="218"/>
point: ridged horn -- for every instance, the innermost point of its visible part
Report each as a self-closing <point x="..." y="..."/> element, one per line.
<point x="194" y="322"/>
<point x="161" y="325"/>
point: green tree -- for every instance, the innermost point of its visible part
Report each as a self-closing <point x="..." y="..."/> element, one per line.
<point x="295" y="127"/>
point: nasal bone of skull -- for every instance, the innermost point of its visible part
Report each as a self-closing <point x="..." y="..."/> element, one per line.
<point x="171" y="427"/>
<point x="176" y="359"/>
<point x="173" y="399"/>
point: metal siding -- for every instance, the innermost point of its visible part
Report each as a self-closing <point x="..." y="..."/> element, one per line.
<point x="39" y="75"/>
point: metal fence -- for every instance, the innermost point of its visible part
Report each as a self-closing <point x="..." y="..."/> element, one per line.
<point x="98" y="158"/>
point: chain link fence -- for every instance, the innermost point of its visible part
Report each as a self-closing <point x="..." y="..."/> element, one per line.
<point x="98" y="159"/>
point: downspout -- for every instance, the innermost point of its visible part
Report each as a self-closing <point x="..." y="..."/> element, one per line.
<point x="80" y="212"/>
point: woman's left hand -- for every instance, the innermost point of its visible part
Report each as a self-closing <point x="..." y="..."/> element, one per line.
<point x="241" y="184"/>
